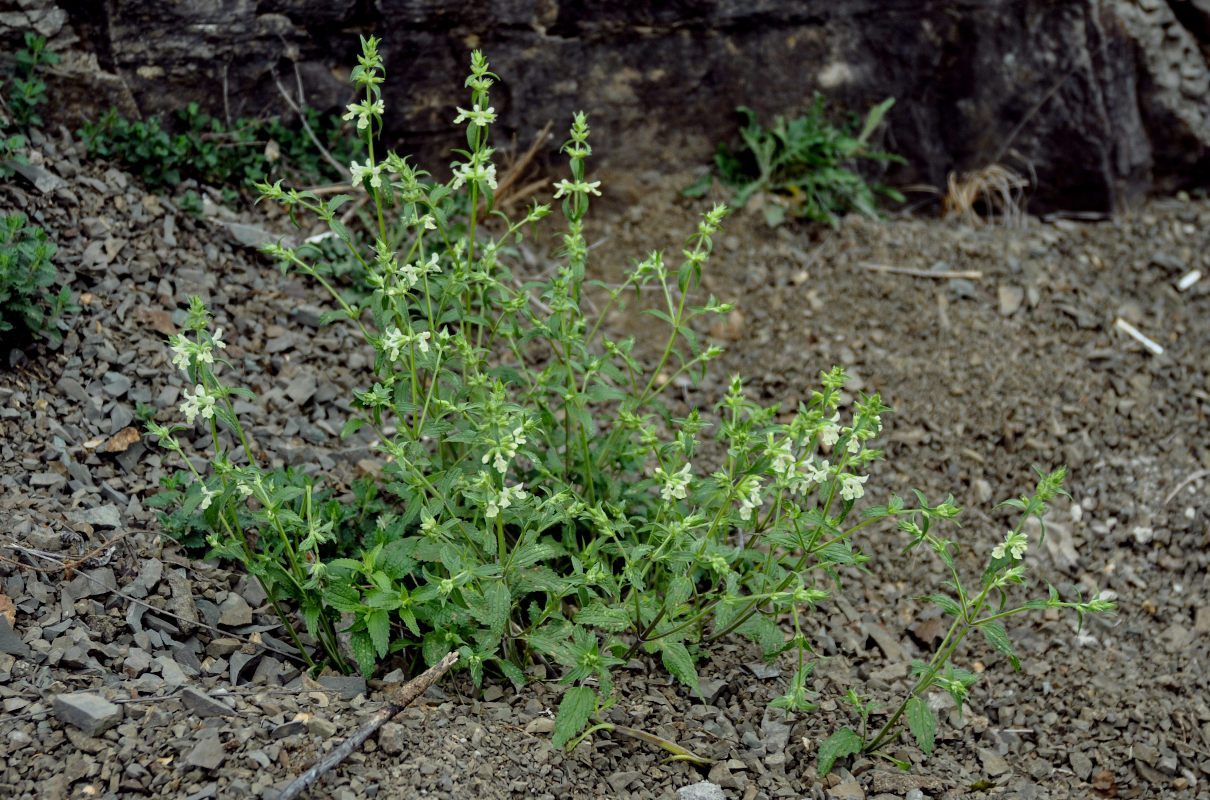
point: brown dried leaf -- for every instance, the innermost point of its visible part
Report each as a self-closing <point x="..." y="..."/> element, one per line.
<point x="7" y="610"/>
<point x="157" y="319"/>
<point x="122" y="440"/>
<point x="1104" y="784"/>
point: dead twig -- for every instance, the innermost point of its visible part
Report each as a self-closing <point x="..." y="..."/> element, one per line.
<point x="302" y="117"/>
<point x="1190" y="478"/>
<point x="969" y="274"/>
<point x="403" y="697"/>
<point x="68" y="566"/>
<point x="504" y="196"/>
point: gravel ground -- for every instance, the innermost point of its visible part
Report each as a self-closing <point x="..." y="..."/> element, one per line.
<point x="140" y="672"/>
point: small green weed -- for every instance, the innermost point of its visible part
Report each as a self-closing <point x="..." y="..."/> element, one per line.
<point x="18" y="105"/>
<point x="26" y="277"/>
<point x="208" y="151"/>
<point x="799" y="166"/>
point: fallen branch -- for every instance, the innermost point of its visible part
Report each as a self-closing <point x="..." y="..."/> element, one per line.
<point x="403" y="697"/>
<point x="969" y="274"/>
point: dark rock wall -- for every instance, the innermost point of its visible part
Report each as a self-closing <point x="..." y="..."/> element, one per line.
<point x="1101" y="101"/>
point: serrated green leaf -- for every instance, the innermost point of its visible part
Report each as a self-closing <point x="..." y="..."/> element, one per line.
<point x="678" y="592"/>
<point x="947" y="604"/>
<point x="997" y="637"/>
<point x="363" y="651"/>
<point x="599" y="615"/>
<point x="764" y="632"/>
<point x="578" y="704"/>
<point x="922" y="723"/>
<point x="498" y="604"/>
<point x="378" y="623"/>
<point x="840" y="744"/>
<point x="679" y="662"/>
<point x="343" y="598"/>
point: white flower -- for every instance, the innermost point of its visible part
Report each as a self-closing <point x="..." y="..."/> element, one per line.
<point x="198" y="403"/>
<point x="818" y="473"/>
<point x="363" y="112"/>
<point x="830" y="431"/>
<point x="854" y="444"/>
<point x="749" y="501"/>
<point x="474" y="173"/>
<point x="477" y="116"/>
<point x="217" y="340"/>
<point x="395" y="340"/>
<point x="359" y="172"/>
<point x="851" y="486"/>
<point x="207" y="496"/>
<point x="392" y="342"/>
<point x="676" y="485"/>
<point x="182" y="351"/>
<point x="1014" y="543"/>
<point x="505" y="499"/>
<point x="783" y="456"/>
<point x="567" y="187"/>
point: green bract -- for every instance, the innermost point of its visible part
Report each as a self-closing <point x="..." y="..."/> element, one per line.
<point x="540" y="501"/>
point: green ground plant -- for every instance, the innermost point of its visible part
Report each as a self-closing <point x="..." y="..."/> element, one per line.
<point x="802" y="166"/>
<point x="541" y="506"/>
<point x="201" y="147"/>
<point x="28" y="302"/>
<point x="20" y="98"/>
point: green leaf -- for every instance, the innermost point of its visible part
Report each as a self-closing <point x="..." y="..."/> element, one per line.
<point x="378" y="622"/>
<point x="948" y="604"/>
<point x="578" y="704"/>
<point x="840" y="744"/>
<point x="997" y="637"/>
<point x="363" y="651"/>
<point x="679" y="662"/>
<point x="498" y="604"/>
<point x="922" y="723"/>
<point x="678" y="592"/>
<point x="599" y="615"/>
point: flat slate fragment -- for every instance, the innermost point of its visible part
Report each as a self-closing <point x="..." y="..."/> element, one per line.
<point x="10" y="642"/>
<point x="90" y="713"/>
<point x="203" y="704"/>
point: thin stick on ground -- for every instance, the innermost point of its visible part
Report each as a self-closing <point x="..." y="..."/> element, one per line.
<point x="297" y="108"/>
<point x="969" y="274"/>
<point x="403" y="697"/>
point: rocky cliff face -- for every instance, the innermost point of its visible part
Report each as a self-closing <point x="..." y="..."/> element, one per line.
<point x="1101" y="100"/>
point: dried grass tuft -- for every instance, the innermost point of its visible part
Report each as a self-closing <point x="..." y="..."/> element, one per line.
<point x="997" y="188"/>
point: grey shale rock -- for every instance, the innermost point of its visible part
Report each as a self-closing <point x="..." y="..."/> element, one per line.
<point x="10" y="642"/>
<point x="702" y="790"/>
<point x="207" y="754"/>
<point x="99" y="517"/>
<point x="203" y="704"/>
<point x="234" y="611"/>
<point x="90" y="713"/>
<point x="92" y="583"/>
<point x="171" y="671"/>
<point x="349" y="686"/>
<point x="390" y="738"/>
